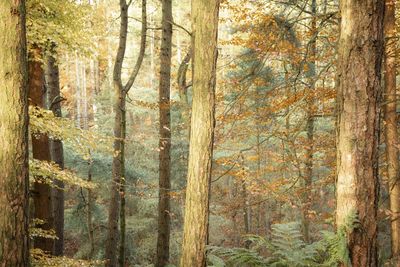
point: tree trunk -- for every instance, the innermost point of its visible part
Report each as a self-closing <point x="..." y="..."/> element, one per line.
<point x="165" y="137"/>
<point x="89" y="212"/>
<point x="359" y="67"/>
<point x="391" y="133"/>
<point x="205" y="29"/>
<point x="14" y="182"/>
<point x="41" y="151"/>
<point x="118" y="160"/>
<point x="117" y="208"/>
<point x="308" y="172"/>
<point x="57" y="153"/>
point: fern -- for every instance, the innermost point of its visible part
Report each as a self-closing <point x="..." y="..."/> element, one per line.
<point x="336" y="243"/>
<point x="286" y="248"/>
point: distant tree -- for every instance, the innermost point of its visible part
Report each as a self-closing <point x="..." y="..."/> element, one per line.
<point x="14" y="240"/>
<point x="163" y="234"/>
<point x="359" y="69"/>
<point x="42" y="198"/>
<point x="205" y="15"/>
<point x="56" y="149"/>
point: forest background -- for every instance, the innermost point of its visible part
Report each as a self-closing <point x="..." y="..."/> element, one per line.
<point x="273" y="184"/>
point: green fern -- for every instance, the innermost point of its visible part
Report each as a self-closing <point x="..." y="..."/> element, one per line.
<point x="336" y="244"/>
<point x="286" y="248"/>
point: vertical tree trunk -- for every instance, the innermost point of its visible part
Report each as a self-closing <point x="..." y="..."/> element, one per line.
<point x="392" y="140"/>
<point x="41" y="151"/>
<point x="165" y="137"/>
<point x="89" y="212"/>
<point x="78" y="91"/>
<point x="152" y="53"/>
<point x="308" y="172"/>
<point x="57" y="153"/>
<point x="13" y="136"/>
<point x="117" y="208"/>
<point x="359" y="66"/>
<point x="205" y="29"/>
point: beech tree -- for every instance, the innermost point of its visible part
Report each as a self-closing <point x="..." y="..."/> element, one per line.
<point x="358" y="100"/>
<point x="205" y="15"/>
<point x="14" y="182"/>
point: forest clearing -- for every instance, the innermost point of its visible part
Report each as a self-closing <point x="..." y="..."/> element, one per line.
<point x="193" y="133"/>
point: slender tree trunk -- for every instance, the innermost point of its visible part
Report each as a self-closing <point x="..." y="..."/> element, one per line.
<point x="152" y="53"/>
<point x="392" y="140"/>
<point x="165" y="137"/>
<point x="117" y="208"/>
<point x="78" y="91"/>
<point x="205" y="29"/>
<point x="89" y="212"/>
<point x="122" y="184"/>
<point x="14" y="182"/>
<point x="41" y="151"/>
<point x="246" y="207"/>
<point x="308" y="172"/>
<point x="57" y="153"/>
<point x="359" y="67"/>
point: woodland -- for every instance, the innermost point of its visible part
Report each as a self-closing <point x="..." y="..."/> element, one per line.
<point x="193" y="133"/>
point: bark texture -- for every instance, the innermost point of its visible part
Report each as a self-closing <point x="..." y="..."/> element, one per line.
<point x="205" y="28"/>
<point x="13" y="136"/>
<point x="42" y="199"/>
<point x="359" y="67"/>
<point x="163" y="236"/>
<point x="391" y="134"/>
<point x="56" y="152"/>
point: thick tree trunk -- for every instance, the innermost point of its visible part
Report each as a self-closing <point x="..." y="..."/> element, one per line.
<point x="359" y="66"/>
<point x="40" y="150"/>
<point x="162" y="257"/>
<point x="13" y="136"/>
<point x="205" y="28"/>
<point x="392" y="140"/>
<point x="57" y="153"/>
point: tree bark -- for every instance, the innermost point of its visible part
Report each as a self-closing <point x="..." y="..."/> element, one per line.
<point x="40" y="150"/>
<point x="359" y="67"/>
<point x="308" y="172"/>
<point x="56" y="152"/>
<point x="116" y="210"/>
<point x="392" y="140"/>
<point x="14" y="183"/>
<point x="163" y="234"/>
<point x="205" y="29"/>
